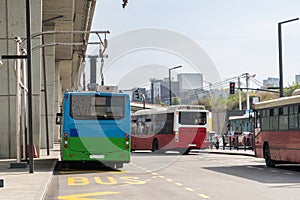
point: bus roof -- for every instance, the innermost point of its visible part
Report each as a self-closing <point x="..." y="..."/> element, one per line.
<point x="171" y="109"/>
<point x="91" y="93"/>
<point x="186" y="107"/>
<point x="239" y="117"/>
<point x="277" y="102"/>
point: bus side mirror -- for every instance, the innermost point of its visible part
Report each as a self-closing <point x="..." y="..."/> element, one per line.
<point x="58" y="120"/>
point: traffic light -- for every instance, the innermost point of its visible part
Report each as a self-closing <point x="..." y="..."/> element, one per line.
<point x="136" y="95"/>
<point x="231" y="87"/>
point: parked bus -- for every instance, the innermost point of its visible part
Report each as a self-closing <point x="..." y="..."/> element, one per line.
<point x="277" y="130"/>
<point x="241" y="131"/>
<point x="96" y="127"/>
<point x="180" y="127"/>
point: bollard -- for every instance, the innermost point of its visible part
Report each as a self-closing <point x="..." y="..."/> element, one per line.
<point x="245" y="143"/>
<point x="237" y="142"/>
<point x="223" y="138"/>
<point x="1" y="183"/>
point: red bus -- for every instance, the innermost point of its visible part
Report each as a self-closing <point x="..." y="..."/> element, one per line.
<point x="180" y="127"/>
<point x="240" y="131"/>
<point x="277" y="130"/>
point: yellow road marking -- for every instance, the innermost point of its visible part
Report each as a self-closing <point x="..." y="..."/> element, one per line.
<point x="119" y="172"/>
<point x="161" y="176"/>
<point x="149" y="171"/>
<point x="168" y="179"/>
<point x="154" y="174"/>
<point x="81" y="171"/>
<point x="272" y="170"/>
<point x="203" y="196"/>
<point x="190" y="189"/>
<point x="81" y="196"/>
<point x="289" y="173"/>
<point x="179" y="184"/>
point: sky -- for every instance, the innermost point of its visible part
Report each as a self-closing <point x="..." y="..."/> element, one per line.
<point x="231" y="37"/>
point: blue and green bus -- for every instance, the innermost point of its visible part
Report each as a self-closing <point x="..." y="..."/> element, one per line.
<point x="96" y="127"/>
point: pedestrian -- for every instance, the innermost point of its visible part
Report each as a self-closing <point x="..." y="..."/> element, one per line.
<point x="217" y="143"/>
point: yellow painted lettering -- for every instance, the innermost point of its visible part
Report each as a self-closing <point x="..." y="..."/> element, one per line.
<point x="111" y="180"/>
<point x="78" y="181"/>
<point x="132" y="180"/>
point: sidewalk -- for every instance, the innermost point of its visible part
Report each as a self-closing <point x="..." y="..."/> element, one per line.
<point x="20" y="184"/>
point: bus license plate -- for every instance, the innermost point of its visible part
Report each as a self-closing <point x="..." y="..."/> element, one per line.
<point x="97" y="156"/>
<point x="192" y="145"/>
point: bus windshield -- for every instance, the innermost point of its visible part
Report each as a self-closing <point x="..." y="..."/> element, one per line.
<point x="192" y="118"/>
<point x="100" y="107"/>
<point x="241" y="125"/>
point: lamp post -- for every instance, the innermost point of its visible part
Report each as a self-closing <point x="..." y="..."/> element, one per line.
<point x="170" y="93"/>
<point x="280" y="55"/>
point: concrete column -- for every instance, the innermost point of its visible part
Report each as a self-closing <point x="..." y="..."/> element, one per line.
<point x="58" y="102"/>
<point x="50" y="78"/>
<point x="12" y="24"/>
<point x="36" y="26"/>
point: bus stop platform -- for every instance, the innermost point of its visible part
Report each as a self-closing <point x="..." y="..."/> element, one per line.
<point x="18" y="183"/>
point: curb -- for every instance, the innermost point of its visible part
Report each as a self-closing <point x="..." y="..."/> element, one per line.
<point x="43" y="193"/>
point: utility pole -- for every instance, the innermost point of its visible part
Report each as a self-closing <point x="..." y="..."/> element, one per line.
<point x="240" y="94"/>
<point x="247" y="86"/>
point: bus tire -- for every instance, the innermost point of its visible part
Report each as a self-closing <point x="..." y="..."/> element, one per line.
<point x="184" y="151"/>
<point x="155" y="146"/>
<point x="267" y="156"/>
<point x="119" y="165"/>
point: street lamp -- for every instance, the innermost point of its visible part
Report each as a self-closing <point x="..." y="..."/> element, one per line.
<point x="170" y="93"/>
<point x="280" y="55"/>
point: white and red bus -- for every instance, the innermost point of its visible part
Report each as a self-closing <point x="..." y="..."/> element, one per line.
<point x="180" y="127"/>
<point x="277" y="130"/>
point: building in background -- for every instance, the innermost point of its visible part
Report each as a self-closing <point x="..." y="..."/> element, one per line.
<point x="297" y="78"/>
<point x="190" y="81"/>
<point x="271" y="82"/>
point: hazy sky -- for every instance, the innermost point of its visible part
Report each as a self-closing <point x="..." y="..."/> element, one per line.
<point x="238" y="36"/>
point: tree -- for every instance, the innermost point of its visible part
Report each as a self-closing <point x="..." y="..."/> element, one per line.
<point x="175" y="101"/>
<point x="288" y="91"/>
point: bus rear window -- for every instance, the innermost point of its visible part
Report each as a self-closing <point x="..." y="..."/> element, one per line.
<point x="97" y="107"/>
<point x="192" y="118"/>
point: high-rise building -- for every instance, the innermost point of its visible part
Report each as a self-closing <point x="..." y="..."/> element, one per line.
<point x="297" y="78"/>
<point x="271" y="82"/>
<point x="190" y="81"/>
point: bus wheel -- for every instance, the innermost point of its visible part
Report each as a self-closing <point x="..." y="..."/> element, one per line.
<point x="119" y="165"/>
<point x="184" y="151"/>
<point x="268" y="160"/>
<point x="155" y="146"/>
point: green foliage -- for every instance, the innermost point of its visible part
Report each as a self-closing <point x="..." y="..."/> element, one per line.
<point x="175" y="101"/>
<point x="290" y="89"/>
<point x="159" y="101"/>
<point x="206" y="101"/>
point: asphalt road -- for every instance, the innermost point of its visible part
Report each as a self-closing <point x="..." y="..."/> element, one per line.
<point x="172" y="176"/>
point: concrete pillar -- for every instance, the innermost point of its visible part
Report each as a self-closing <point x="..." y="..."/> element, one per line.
<point x="12" y="24"/>
<point x="50" y="78"/>
<point x="58" y="102"/>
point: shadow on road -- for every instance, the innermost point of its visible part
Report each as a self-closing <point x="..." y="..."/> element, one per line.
<point x="261" y="173"/>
